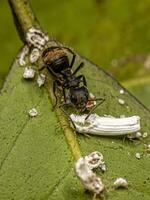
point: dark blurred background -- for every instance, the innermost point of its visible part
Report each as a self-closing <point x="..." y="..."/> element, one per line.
<point x="115" y="34"/>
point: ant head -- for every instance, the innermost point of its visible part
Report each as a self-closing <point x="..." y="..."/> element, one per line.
<point x="79" y="97"/>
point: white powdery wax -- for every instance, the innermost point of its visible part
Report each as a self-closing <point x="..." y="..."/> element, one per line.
<point x="106" y="126"/>
<point x="88" y="178"/>
<point x="28" y="73"/>
<point x="22" y="55"/>
<point x="36" y="38"/>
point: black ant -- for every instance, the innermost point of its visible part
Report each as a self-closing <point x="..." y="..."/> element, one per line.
<point x="56" y="60"/>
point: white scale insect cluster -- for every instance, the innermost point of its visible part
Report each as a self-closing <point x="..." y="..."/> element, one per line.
<point x="84" y="170"/>
<point x="36" y="38"/>
<point x="106" y="126"/>
<point x="36" y="41"/>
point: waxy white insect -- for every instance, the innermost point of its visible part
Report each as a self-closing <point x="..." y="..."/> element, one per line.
<point x="138" y="155"/>
<point x="106" y="126"/>
<point x="22" y="55"/>
<point x="41" y="80"/>
<point x="120" y="182"/>
<point x="28" y="73"/>
<point x="145" y="134"/>
<point x="36" y="38"/>
<point x="33" y="112"/>
<point x="83" y="169"/>
<point x="34" y="55"/>
<point x="121" y="91"/>
<point x="121" y="101"/>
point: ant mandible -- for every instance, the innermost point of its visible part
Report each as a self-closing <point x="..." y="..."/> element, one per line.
<point x="56" y="60"/>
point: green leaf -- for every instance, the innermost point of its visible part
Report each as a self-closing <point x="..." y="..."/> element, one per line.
<point x="37" y="156"/>
<point x="140" y="87"/>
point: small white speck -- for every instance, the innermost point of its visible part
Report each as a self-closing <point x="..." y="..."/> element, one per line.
<point x="121" y="91"/>
<point x="120" y="182"/>
<point x="148" y="146"/>
<point x="136" y="135"/>
<point x="121" y="101"/>
<point x="28" y="73"/>
<point x="138" y="155"/>
<point x="145" y="134"/>
<point x="128" y="108"/>
<point x="34" y="55"/>
<point x="91" y="95"/>
<point x="41" y="80"/>
<point x="33" y="112"/>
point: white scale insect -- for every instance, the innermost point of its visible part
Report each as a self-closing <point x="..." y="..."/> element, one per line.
<point x="106" y="126"/>
<point x="84" y="167"/>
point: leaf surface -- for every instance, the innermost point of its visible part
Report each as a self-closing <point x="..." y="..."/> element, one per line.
<point x="35" y="159"/>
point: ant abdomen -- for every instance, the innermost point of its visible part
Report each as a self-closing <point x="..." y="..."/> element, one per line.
<point x="58" y="64"/>
<point x="55" y="59"/>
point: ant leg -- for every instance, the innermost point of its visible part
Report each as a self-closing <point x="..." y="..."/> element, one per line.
<point x="78" y="68"/>
<point x="67" y="48"/>
<point x="64" y="95"/>
<point x="74" y="56"/>
<point x="101" y="101"/>
<point x="54" y="92"/>
<point x="83" y="80"/>
<point x="66" y="113"/>
<point x="73" y="59"/>
<point x="57" y="83"/>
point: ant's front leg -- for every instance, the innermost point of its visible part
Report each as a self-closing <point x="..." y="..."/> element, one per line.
<point x="54" y="92"/>
<point x="61" y="106"/>
<point x="78" y="68"/>
<point x="83" y="79"/>
<point x="73" y="60"/>
<point x="64" y="94"/>
<point x="55" y="84"/>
